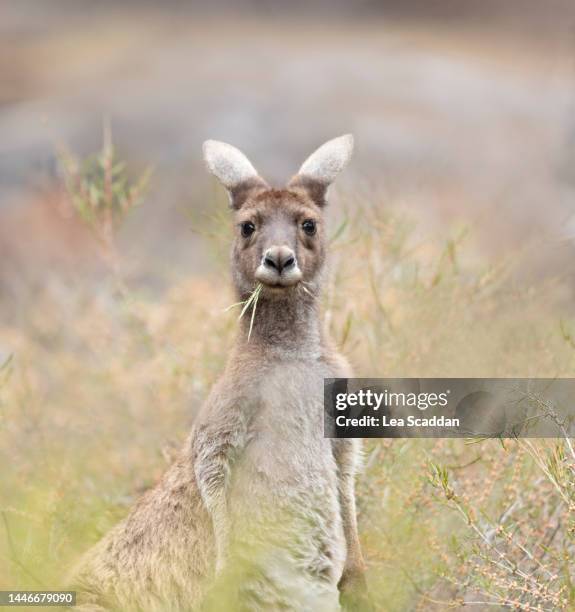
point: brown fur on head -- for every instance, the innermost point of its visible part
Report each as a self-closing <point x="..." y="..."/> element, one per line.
<point x="279" y="233"/>
<point x="286" y="223"/>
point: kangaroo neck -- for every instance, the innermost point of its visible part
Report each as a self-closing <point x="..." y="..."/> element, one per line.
<point x="283" y="326"/>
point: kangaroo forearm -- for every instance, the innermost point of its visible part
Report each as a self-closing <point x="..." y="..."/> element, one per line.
<point x="346" y="454"/>
<point x="213" y="457"/>
<point x="213" y="492"/>
<point x="349" y="520"/>
<point x="221" y="526"/>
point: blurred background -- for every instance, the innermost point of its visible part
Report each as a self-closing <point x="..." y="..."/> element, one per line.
<point x="452" y="255"/>
<point x="461" y="110"/>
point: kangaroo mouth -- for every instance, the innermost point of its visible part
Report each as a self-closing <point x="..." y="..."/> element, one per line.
<point x="274" y="280"/>
<point x="279" y="286"/>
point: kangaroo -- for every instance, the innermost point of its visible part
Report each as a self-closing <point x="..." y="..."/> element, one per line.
<point x="258" y="510"/>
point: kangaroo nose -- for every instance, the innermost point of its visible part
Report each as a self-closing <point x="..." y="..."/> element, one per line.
<point x="279" y="258"/>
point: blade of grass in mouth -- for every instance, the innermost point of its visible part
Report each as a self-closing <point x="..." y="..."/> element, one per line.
<point x="251" y="301"/>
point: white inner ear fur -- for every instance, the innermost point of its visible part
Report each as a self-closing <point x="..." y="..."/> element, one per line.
<point x="329" y="160"/>
<point x="227" y="163"/>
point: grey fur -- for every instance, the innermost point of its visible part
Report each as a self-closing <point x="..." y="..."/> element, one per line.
<point x="259" y="507"/>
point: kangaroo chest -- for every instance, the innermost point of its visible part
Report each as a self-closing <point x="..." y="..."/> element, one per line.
<point x="284" y="492"/>
<point x="286" y="473"/>
<point x="285" y="443"/>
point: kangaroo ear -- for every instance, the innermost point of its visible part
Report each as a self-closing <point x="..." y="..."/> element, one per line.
<point x="321" y="168"/>
<point x="233" y="169"/>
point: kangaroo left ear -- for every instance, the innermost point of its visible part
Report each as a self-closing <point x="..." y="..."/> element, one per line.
<point x="321" y="168"/>
<point x="233" y="169"/>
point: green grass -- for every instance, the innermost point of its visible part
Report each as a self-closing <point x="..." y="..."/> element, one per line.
<point x="102" y="387"/>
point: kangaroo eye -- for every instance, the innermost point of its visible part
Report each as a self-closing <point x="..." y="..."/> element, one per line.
<point x="309" y="227"/>
<point x="248" y="228"/>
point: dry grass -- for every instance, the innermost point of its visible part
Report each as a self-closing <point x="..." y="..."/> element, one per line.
<point x="102" y="386"/>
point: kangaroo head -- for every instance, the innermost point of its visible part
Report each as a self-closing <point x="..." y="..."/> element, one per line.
<point x="279" y="233"/>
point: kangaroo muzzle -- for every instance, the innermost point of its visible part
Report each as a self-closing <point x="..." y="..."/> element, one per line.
<point x="278" y="267"/>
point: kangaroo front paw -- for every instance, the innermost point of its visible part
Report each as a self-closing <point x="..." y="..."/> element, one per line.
<point x="354" y="595"/>
<point x="221" y="564"/>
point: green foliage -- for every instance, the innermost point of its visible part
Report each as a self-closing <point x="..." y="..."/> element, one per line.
<point x="514" y="547"/>
<point x="91" y="418"/>
<point x="101" y="191"/>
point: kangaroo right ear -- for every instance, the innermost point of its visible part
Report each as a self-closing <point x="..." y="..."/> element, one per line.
<point x="320" y="169"/>
<point x="233" y="169"/>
